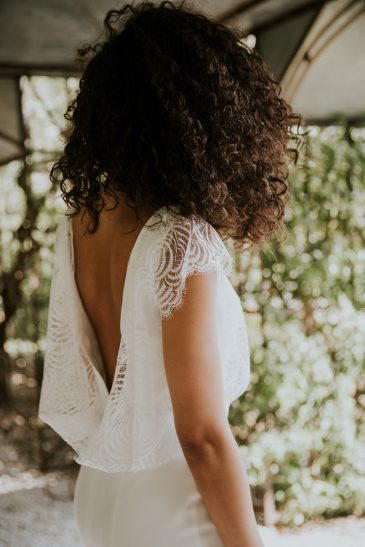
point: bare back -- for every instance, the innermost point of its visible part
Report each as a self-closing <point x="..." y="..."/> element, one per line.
<point x="101" y="261"/>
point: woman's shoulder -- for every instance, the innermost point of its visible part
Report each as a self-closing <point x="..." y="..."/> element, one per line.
<point x="181" y="246"/>
<point x="171" y="224"/>
<point x="179" y="241"/>
<point x="198" y="240"/>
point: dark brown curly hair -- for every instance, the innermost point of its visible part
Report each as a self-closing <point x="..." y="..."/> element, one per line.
<point x="173" y="109"/>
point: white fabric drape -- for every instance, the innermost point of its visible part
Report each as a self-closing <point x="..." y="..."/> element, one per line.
<point x="132" y="427"/>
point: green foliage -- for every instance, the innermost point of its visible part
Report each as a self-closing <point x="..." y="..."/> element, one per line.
<point x="300" y="425"/>
<point x="27" y="228"/>
<point x="28" y="206"/>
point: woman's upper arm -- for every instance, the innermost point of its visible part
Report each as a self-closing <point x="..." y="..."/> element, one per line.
<point x="192" y="363"/>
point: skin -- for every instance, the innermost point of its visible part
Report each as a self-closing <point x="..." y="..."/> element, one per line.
<point x="100" y="268"/>
<point x="193" y="373"/>
<point x="192" y="368"/>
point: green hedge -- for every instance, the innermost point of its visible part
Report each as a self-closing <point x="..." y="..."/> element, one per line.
<point x="301" y="425"/>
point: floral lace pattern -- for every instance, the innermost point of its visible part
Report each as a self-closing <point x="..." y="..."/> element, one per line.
<point x="132" y="427"/>
<point x="190" y="248"/>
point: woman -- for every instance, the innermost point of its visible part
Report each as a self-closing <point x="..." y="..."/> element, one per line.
<point x="178" y="137"/>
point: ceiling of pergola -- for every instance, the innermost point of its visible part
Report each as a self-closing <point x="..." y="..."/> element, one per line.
<point x="316" y="49"/>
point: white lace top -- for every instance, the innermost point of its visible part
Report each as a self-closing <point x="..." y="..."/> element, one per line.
<point x="132" y="427"/>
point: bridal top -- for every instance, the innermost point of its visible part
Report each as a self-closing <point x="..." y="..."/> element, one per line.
<point x="132" y="426"/>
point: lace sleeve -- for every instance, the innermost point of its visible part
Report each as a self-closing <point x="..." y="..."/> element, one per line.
<point x="190" y="247"/>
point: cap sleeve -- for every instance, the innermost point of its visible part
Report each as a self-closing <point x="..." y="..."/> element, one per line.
<point x="191" y="247"/>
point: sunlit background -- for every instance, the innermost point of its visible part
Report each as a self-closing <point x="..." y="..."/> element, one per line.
<point x="300" y="425"/>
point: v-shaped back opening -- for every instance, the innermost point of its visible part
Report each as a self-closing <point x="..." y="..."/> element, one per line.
<point x="70" y="235"/>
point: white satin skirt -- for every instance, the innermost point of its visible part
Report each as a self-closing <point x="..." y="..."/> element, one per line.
<point x="158" y="507"/>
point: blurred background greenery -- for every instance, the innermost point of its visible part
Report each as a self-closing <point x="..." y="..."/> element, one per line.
<point x="300" y="424"/>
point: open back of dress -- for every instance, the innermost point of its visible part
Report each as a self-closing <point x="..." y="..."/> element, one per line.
<point x="132" y="427"/>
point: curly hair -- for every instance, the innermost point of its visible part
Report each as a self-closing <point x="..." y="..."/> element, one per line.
<point x="175" y="110"/>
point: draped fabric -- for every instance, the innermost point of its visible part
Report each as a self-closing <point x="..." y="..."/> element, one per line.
<point x="132" y="427"/>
